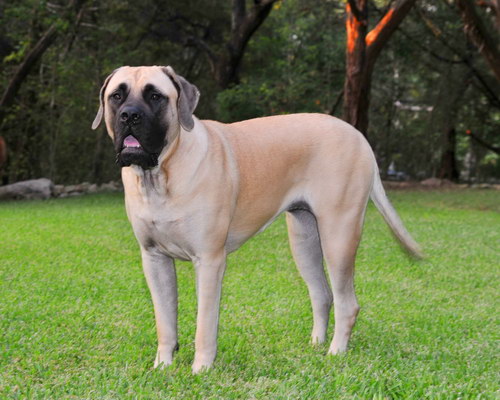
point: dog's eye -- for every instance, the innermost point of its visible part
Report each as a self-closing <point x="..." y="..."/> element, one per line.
<point x="117" y="96"/>
<point x="155" y="97"/>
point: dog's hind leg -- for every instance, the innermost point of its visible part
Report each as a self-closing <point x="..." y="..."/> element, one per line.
<point x="306" y="250"/>
<point x="340" y="235"/>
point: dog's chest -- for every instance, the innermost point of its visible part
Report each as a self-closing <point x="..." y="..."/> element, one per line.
<point x="161" y="225"/>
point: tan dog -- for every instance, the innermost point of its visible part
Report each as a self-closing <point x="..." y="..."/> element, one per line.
<point x="197" y="190"/>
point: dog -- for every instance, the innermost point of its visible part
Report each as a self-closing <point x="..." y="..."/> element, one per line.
<point x="198" y="189"/>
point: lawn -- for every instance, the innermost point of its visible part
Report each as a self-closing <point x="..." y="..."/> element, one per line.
<point x="77" y="321"/>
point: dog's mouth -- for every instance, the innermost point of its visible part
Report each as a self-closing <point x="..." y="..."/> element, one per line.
<point x="131" y="142"/>
<point x="133" y="153"/>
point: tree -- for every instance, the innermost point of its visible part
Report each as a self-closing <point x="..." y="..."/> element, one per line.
<point x="362" y="51"/>
<point x="207" y="32"/>
<point x="244" y="23"/>
<point x="294" y="61"/>
<point x="25" y="67"/>
<point x="445" y="115"/>
<point x="478" y="33"/>
<point x="32" y="57"/>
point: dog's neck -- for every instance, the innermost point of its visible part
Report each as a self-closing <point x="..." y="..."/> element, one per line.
<point x="177" y="165"/>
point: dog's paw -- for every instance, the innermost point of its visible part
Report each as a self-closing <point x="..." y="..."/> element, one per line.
<point x="317" y="340"/>
<point x="337" y="349"/>
<point x="198" y="369"/>
<point x="163" y="359"/>
<point x="202" y="364"/>
<point x="161" y="365"/>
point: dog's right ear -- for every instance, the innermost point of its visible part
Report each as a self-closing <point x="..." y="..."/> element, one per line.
<point x="100" y="112"/>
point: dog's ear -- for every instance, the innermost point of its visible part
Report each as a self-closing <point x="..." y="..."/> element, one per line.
<point x="187" y="99"/>
<point x="100" y="112"/>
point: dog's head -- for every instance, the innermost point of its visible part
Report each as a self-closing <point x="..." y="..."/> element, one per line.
<point x="144" y="109"/>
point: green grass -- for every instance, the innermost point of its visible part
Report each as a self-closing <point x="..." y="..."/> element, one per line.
<point x="77" y="321"/>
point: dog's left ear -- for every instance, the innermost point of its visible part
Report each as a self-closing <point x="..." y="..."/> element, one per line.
<point x="187" y="99"/>
<point x="100" y="112"/>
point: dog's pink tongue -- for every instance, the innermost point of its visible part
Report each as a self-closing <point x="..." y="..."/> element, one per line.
<point x="131" y="141"/>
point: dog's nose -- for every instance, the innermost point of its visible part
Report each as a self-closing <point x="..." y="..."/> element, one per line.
<point x="131" y="115"/>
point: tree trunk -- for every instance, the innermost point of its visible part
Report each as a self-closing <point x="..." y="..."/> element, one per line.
<point x="3" y="152"/>
<point x="448" y="168"/>
<point x="243" y="25"/>
<point x="456" y="79"/>
<point x="362" y="51"/>
<point x="3" y="160"/>
<point x="356" y="92"/>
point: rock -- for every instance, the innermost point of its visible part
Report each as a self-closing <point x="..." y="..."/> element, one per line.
<point x="436" y="182"/>
<point x="93" y="188"/>
<point x="446" y="182"/>
<point x="431" y="182"/>
<point x="107" y="187"/>
<point x="33" y="189"/>
<point x="485" y="186"/>
<point x="82" y="187"/>
<point x="58" y="190"/>
<point x="70" y="188"/>
<point x="398" y="185"/>
<point x="117" y="184"/>
<point x="111" y="186"/>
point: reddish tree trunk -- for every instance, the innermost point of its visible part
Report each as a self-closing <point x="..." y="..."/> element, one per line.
<point x="3" y="152"/>
<point x="356" y="92"/>
<point x="362" y="51"/>
<point x="3" y="160"/>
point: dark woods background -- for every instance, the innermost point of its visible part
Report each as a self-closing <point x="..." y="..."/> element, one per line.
<point x="420" y="78"/>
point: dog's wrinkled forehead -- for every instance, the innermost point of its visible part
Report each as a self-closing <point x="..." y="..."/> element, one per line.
<point x="137" y="78"/>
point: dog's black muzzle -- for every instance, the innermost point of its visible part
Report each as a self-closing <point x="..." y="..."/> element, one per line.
<point x="131" y="116"/>
<point x="138" y="140"/>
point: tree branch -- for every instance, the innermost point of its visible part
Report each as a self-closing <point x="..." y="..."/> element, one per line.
<point x="25" y="67"/>
<point x="377" y="38"/>
<point x="358" y="12"/>
<point x="337" y="102"/>
<point x="486" y="88"/>
<point x="482" y="142"/>
<point x="479" y="35"/>
<point x="244" y="24"/>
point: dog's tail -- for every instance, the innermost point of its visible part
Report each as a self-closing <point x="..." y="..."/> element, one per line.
<point x="391" y="217"/>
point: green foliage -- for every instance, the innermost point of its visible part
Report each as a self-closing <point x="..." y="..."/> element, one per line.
<point x="293" y="63"/>
<point x="77" y="319"/>
<point x="422" y="70"/>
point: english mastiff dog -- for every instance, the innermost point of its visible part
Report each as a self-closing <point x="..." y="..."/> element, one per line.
<point x="197" y="190"/>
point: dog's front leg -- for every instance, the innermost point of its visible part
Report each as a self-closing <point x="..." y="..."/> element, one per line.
<point x="159" y="270"/>
<point x="209" y="274"/>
